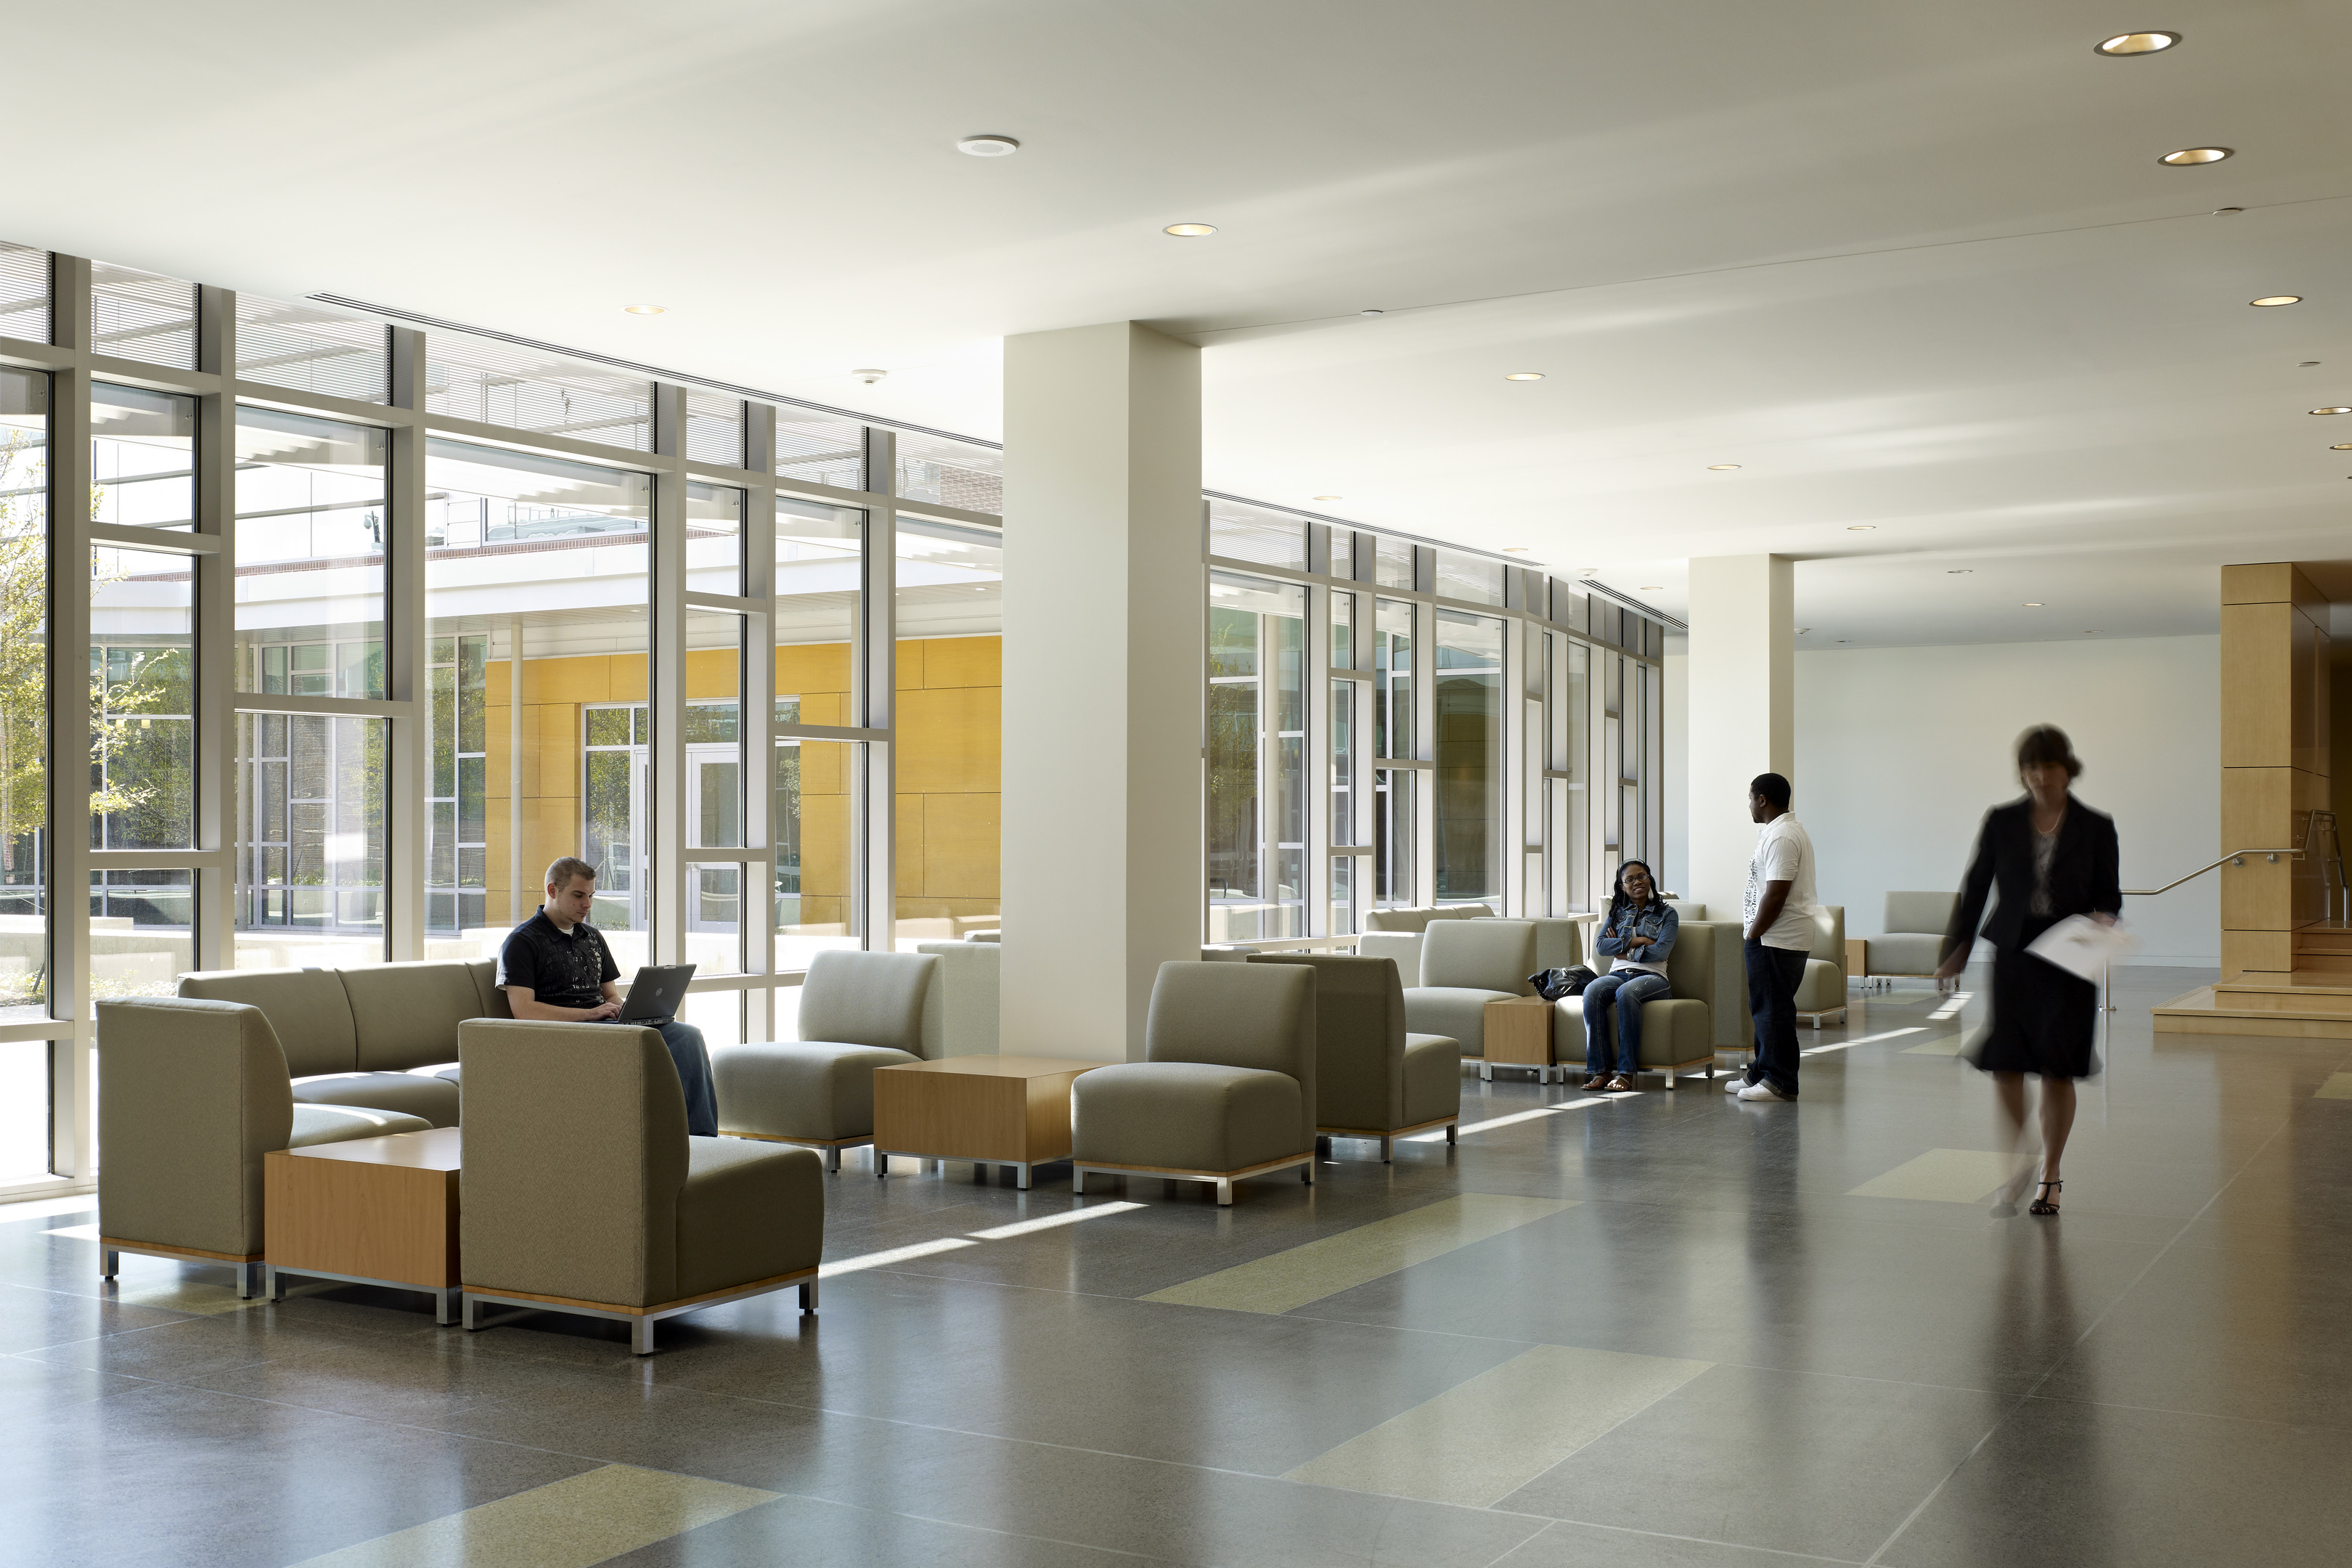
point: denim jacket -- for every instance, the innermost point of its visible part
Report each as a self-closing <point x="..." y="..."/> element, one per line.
<point x="1657" y="920"/>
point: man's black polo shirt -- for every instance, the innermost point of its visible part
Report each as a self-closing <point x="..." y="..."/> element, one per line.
<point x="561" y="970"/>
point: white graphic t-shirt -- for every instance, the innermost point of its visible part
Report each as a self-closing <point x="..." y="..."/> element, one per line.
<point x="1784" y="853"/>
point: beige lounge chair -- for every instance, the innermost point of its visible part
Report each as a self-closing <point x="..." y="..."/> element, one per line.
<point x="1372" y="1080"/>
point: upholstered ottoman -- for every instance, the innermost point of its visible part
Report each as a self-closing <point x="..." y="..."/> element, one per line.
<point x="1194" y="1120"/>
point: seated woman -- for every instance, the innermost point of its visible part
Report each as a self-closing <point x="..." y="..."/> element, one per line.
<point x="1638" y="932"/>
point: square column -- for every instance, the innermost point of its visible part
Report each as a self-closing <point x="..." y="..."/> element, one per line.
<point x="1742" y="686"/>
<point x="1103" y="676"/>
<point x="2274" y="761"/>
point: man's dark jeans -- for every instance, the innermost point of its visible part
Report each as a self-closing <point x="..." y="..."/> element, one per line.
<point x="1773" y="975"/>
<point x="686" y="1048"/>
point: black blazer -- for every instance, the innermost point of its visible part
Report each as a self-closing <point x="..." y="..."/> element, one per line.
<point x="2084" y="879"/>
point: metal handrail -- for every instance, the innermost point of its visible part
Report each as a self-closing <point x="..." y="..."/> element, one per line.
<point x="2234" y="858"/>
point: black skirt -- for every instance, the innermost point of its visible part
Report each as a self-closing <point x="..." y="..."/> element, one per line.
<point x="2043" y="1019"/>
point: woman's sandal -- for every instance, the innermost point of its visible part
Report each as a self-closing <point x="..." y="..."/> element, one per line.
<point x="2042" y="1205"/>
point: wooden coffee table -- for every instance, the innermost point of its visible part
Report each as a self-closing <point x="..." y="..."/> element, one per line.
<point x="990" y="1110"/>
<point x="1518" y="1035"/>
<point x="370" y="1211"/>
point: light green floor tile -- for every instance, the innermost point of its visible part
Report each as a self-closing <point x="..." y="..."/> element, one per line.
<point x="1943" y="1176"/>
<point x="571" y="1523"/>
<point x="2337" y="1087"/>
<point x="1336" y="1263"/>
<point x="1476" y="1443"/>
<point x="1950" y="1046"/>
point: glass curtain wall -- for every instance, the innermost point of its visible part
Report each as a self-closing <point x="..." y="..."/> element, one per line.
<point x="355" y="623"/>
<point x="1488" y="736"/>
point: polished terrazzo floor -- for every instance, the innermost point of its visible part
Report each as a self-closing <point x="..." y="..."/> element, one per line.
<point x="1641" y="1329"/>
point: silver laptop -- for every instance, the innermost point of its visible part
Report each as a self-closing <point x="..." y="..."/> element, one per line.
<point x="655" y="994"/>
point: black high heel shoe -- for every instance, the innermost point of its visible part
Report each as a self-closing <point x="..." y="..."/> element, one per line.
<point x="2042" y="1205"/>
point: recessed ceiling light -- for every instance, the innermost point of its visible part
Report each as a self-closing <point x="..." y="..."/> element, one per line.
<point x="1721" y="467"/>
<point x="1189" y="231"/>
<point x="1653" y="587"/>
<point x="2032" y="603"/>
<point x="2125" y="45"/>
<point x="1861" y="528"/>
<point x="2337" y="409"/>
<point x="1515" y="550"/>
<point x="1371" y="312"/>
<point x="2270" y="299"/>
<point x="1523" y="376"/>
<point x="869" y="375"/>
<point x="1330" y="498"/>
<point x="1960" y="570"/>
<point x="2189" y="157"/>
<point x="2341" y="447"/>
<point x="988" y="146"/>
<point x="645" y="309"/>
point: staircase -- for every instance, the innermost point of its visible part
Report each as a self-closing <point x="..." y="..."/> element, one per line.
<point x="2312" y="1003"/>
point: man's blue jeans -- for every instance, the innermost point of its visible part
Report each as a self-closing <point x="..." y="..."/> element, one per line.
<point x="1627" y="989"/>
<point x="686" y="1048"/>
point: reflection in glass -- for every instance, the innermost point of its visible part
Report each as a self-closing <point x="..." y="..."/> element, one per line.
<point x="1393" y="679"/>
<point x="143" y="783"/>
<point x="23" y="730"/>
<point x="1343" y="762"/>
<point x="714" y="540"/>
<point x="143" y="315"/>
<point x="950" y="604"/>
<point x="310" y="509"/>
<point x="143" y="472"/>
<point x="1343" y="631"/>
<point x="714" y="789"/>
<point x="1469" y="756"/>
<point x="815" y="782"/>
<point x="1392" y="837"/>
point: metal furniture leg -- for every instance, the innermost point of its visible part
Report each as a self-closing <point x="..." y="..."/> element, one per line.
<point x="1306" y="1171"/>
<point x="247" y="1281"/>
<point x="808" y="1295"/>
<point x="444" y="1306"/>
<point x="1078" y="1182"/>
<point x="1388" y="1150"/>
<point x="471" y="1311"/>
<point x="1224" y="1194"/>
<point x="1021" y="1176"/>
<point x="641" y="1336"/>
<point x="832" y="1159"/>
<point x="1451" y="1128"/>
<point x="109" y="1263"/>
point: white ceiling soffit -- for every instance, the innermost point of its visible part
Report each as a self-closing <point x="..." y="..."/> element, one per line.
<point x="1915" y="269"/>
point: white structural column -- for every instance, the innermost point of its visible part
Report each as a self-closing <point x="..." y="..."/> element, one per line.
<point x="1103" y="673"/>
<point x="1742" y="715"/>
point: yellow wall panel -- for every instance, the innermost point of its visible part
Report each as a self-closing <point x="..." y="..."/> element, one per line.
<point x="824" y="842"/>
<point x="963" y="661"/>
<point x="906" y="823"/>
<point x="911" y="662"/>
<point x="628" y="676"/>
<point x="961" y="835"/>
<point x="712" y="673"/>
<point x="585" y="678"/>
<point x="812" y="667"/>
<point x="951" y="739"/>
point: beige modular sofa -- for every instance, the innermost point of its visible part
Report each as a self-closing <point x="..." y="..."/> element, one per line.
<point x="1225" y="1090"/>
<point x="191" y="1095"/>
<point x="584" y="1194"/>
<point x="858" y="1011"/>
<point x="969" y="980"/>
<point x="1913" y="944"/>
<point x="1373" y="1080"/>
<point x="1704" y="1011"/>
<point x="383" y="1036"/>
<point x="1821" y="994"/>
<point x="1465" y="964"/>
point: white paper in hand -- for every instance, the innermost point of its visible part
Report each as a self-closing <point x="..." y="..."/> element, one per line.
<point x="2081" y="946"/>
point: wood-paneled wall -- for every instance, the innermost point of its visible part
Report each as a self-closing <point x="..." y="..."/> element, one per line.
<point x="2274" y="758"/>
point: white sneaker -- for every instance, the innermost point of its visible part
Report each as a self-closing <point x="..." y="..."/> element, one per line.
<point x="1763" y="1090"/>
<point x="1735" y="1083"/>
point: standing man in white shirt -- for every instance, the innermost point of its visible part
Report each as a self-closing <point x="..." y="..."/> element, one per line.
<point x="1778" y="921"/>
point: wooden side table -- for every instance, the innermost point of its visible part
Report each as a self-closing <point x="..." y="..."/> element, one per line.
<point x="371" y="1211"/>
<point x="990" y="1110"/>
<point x="1518" y="1035"/>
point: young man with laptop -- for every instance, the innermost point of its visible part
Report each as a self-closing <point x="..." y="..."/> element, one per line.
<point x="556" y="969"/>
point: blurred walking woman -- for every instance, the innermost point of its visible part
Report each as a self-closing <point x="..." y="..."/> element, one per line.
<point x="2051" y="856"/>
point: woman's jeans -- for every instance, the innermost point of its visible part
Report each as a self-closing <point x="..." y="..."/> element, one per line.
<point x="1628" y="989"/>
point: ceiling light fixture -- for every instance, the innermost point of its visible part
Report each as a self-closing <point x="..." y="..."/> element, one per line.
<point x="1861" y="528"/>
<point x="2268" y="301"/>
<point x="869" y="375"/>
<point x="1330" y="498"/>
<point x="2123" y="46"/>
<point x="2032" y="603"/>
<point x="2339" y="408"/>
<point x="1653" y="587"/>
<point x="1371" y="312"/>
<point x="2227" y="212"/>
<point x="1721" y="467"/>
<point x="645" y="309"/>
<point x="1189" y="231"/>
<point x="988" y="146"/>
<point x="1523" y="376"/>
<point x="2341" y="447"/>
<point x="2189" y="157"/>
<point x="1960" y="570"/>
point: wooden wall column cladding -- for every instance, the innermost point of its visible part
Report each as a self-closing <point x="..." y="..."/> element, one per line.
<point x="2274" y="758"/>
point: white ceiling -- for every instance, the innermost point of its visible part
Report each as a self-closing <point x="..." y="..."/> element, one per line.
<point x="1912" y="266"/>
